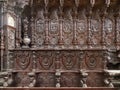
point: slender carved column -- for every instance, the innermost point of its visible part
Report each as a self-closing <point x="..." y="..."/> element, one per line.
<point x="89" y="25"/>
<point x="18" y="32"/>
<point x="32" y="25"/>
<point x="61" y="22"/>
<point x="103" y="16"/>
<point x="2" y="36"/>
<point x="117" y="29"/>
<point x="75" y="22"/>
<point x="46" y="22"/>
<point x="92" y="2"/>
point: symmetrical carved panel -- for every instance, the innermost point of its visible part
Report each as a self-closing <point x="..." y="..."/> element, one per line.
<point x="68" y="32"/>
<point x="39" y="35"/>
<point x="11" y="38"/>
<point x="22" y="60"/>
<point x="45" y="60"/>
<point x="95" y="33"/>
<point x="69" y="60"/>
<point x="108" y="32"/>
<point x="93" y="60"/>
<point x="82" y="32"/>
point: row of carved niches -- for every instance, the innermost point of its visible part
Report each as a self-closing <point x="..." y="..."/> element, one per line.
<point x="27" y="60"/>
<point x="80" y="31"/>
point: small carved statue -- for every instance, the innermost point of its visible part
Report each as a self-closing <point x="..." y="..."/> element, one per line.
<point x="7" y="79"/>
<point x="32" y="79"/>
<point x="84" y="77"/>
<point x="108" y="83"/>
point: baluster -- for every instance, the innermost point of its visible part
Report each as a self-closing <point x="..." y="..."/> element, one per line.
<point x="58" y="74"/>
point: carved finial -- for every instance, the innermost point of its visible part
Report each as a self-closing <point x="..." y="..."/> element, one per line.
<point x="61" y="3"/>
<point x="77" y="3"/>
<point x="54" y="15"/>
<point x="107" y="2"/>
<point x="46" y="2"/>
<point x="92" y="2"/>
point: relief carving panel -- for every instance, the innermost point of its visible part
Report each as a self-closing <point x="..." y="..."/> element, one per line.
<point x="39" y="33"/>
<point x="108" y="32"/>
<point x="45" y="60"/>
<point x="82" y="32"/>
<point x="93" y="61"/>
<point x="67" y="32"/>
<point x="95" y="33"/>
<point x="22" y="60"/>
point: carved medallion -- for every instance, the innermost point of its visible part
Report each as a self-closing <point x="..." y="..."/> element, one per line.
<point x="91" y="62"/>
<point x="45" y="60"/>
<point x="23" y="59"/>
<point x="68" y="60"/>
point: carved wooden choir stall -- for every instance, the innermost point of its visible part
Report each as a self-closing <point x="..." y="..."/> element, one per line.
<point x="64" y="43"/>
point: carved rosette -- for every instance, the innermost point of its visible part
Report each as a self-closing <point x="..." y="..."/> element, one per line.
<point x="93" y="60"/>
